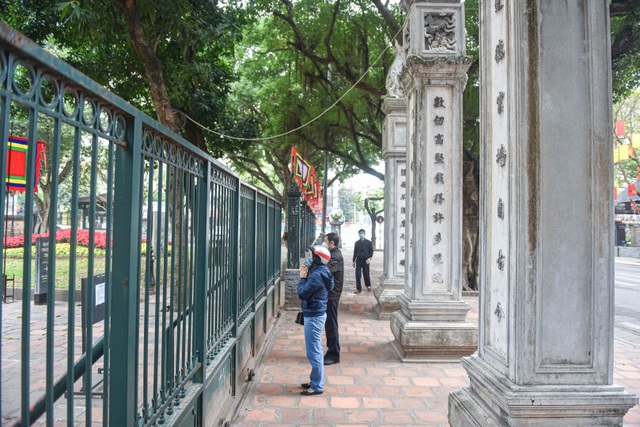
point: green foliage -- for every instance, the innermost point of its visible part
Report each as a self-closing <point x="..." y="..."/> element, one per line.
<point x="193" y="39"/>
<point x="625" y="47"/>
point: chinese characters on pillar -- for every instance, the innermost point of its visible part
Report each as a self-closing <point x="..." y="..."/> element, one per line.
<point x="438" y="216"/>
<point x="401" y="212"/>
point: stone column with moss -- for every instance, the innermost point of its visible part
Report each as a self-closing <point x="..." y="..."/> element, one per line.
<point x="431" y="324"/>
<point x="545" y="355"/>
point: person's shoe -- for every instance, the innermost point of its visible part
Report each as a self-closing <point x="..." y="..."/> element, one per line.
<point x="305" y="386"/>
<point x="310" y="392"/>
<point x="357" y="292"/>
<point x="369" y="288"/>
<point x="328" y="362"/>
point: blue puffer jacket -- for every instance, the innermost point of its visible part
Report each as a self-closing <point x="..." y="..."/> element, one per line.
<point x="314" y="291"/>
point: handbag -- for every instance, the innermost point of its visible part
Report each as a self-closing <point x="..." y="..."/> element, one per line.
<point x="300" y="318"/>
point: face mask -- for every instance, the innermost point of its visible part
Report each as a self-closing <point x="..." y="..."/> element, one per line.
<point x="325" y="245"/>
<point x="308" y="262"/>
<point x="362" y="236"/>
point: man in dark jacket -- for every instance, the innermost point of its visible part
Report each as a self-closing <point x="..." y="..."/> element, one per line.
<point x="362" y="253"/>
<point x="336" y="267"/>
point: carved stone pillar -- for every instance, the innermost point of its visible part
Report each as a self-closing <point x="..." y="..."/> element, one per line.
<point x="394" y="152"/>
<point x="431" y="324"/>
<point x="545" y="356"/>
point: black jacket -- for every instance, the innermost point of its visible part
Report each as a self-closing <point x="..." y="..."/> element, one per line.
<point x="363" y="250"/>
<point x="336" y="267"/>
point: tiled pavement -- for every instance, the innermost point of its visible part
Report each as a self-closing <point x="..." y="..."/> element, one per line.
<point x="370" y="386"/>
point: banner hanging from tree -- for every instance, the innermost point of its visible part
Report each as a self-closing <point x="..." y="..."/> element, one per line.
<point x="17" y="155"/>
<point x="304" y="174"/>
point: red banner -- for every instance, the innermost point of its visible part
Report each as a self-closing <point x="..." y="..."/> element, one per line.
<point x="17" y="155"/>
<point x="304" y="174"/>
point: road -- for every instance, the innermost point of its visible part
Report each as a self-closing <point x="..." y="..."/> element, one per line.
<point x="627" y="314"/>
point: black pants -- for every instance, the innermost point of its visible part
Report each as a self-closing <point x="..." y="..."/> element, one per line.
<point x="331" y="329"/>
<point x="362" y="269"/>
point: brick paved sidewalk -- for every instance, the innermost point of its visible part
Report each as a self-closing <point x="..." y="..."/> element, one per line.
<point x="370" y="386"/>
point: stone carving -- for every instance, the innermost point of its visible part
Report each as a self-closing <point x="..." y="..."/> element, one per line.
<point x="437" y="238"/>
<point x="437" y="278"/>
<point x="501" y="156"/>
<point x="499" y="312"/>
<point x="403" y="172"/>
<point x="499" y="5"/>
<point x="438" y="217"/>
<point x="393" y="76"/>
<point x="438" y="102"/>
<point x="439" y="120"/>
<point x="439" y="139"/>
<point x="438" y="198"/>
<point x="437" y="258"/>
<point x="440" y="32"/>
<point x="500" y="102"/>
<point x="402" y="262"/>
<point x="439" y="157"/>
<point x="500" y="209"/>
<point x="439" y="178"/>
<point x="499" y="51"/>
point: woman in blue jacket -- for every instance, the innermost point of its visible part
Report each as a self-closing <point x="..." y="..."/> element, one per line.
<point x="313" y="289"/>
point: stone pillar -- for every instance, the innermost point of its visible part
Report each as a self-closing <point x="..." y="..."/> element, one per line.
<point x="545" y="356"/>
<point x="431" y="324"/>
<point x="394" y="152"/>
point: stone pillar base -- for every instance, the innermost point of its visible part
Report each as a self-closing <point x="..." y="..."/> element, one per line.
<point x="493" y="400"/>
<point x="291" y="279"/>
<point x="432" y="341"/>
<point x="387" y="294"/>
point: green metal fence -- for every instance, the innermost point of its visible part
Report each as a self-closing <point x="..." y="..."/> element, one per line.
<point x="145" y="314"/>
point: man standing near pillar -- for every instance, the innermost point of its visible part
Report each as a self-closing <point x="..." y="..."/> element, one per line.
<point x="336" y="267"/>
<point x="362" y="253"/>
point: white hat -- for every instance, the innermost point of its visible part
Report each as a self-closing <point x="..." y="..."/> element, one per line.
<point x="322" y="252"/>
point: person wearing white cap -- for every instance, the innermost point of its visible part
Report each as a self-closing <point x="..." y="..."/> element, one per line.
<point x="314" y="286"/>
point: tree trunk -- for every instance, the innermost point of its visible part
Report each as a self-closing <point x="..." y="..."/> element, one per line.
<point x="470" y="228"/>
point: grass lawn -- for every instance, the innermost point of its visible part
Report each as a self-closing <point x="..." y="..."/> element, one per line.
<point x="14" y="265"/>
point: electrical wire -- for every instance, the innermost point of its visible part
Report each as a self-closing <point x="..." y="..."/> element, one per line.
<point x="267" y="138"/>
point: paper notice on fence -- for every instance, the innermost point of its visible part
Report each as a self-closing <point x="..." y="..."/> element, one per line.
<point x="100" y="294"/>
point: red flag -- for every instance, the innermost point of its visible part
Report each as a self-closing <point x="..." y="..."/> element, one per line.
<point x="619" y="127"/>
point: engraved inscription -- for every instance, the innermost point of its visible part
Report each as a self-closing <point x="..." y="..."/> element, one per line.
<point x="501" y="156"/>
<point x="438" y="217"/>
<point x="499" y="312"/>
<point x="437" y="258"/>
<point x="439" y="157"/>
<point x="403" y="172"/>
<point x="500" y="209"/>
<point x="437" y="239"/>
<point x="439" y="120"/>
<point x="500" y="260"/>
<point x="499" y="51"/>
<point x="439" y="198"/>
<point x="500" y="102"/>
<point x="437" y="278"/>
<point x="439" y="178"/>
<point x="439" y="139"/>
<point x="438" y="102"/>
<point x="499" y="5"/>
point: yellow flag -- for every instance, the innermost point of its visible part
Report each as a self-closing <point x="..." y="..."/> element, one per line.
<point x="635" y="140"/>
<point x="616" y="155"/>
